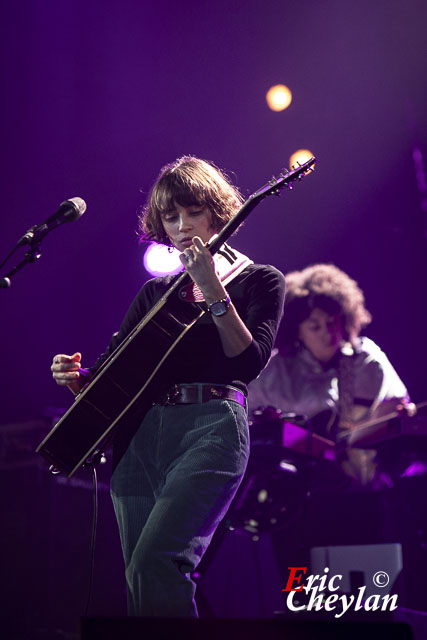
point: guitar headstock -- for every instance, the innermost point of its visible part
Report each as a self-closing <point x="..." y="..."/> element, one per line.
<point x="285" y="179"/>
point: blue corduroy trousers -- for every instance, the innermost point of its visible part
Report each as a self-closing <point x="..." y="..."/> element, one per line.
<point x="170" y="491"/>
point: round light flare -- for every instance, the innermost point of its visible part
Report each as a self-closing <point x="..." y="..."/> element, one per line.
<point x="160" y="260"/>
<point x="300" y="156"/>
<point x="279" y="97"/>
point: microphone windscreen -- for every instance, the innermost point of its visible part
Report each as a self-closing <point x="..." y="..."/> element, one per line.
<point x="80" y="204"/>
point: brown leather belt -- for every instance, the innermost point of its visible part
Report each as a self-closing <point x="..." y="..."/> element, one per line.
<point x="201" y="392"/>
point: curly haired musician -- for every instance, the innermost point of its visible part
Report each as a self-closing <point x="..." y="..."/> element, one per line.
<point x="325" y="370"/>
<point x="175" y="477"/>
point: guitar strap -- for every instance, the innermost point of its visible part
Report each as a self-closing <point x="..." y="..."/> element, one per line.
<point x="229" y="263"/>
<point x="346" y="386"/>
<point x="358" y="464"/>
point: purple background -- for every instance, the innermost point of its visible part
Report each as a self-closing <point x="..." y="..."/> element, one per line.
<point x="97" y="96"/>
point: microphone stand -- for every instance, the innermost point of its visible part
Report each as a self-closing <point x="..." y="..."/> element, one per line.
<point x="33" y="238"/>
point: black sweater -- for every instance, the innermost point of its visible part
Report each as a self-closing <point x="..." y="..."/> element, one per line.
<point x="257" y="294"/>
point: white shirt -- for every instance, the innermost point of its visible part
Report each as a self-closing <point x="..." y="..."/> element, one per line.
<point x="300" y="384"/>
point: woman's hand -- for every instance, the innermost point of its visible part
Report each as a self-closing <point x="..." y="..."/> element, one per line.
<point x="65" y="371"/>
<point x="234" y="335"/>
<point x="199" y="263"/>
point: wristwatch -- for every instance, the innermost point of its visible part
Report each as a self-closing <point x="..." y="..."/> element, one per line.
<point x="219" y="307"/>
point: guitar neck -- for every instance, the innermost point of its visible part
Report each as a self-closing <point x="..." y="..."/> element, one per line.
<point x="273" y="187"/>
<point x="233" y="224"/>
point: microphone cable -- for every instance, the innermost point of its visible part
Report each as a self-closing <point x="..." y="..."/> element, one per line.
<point x="93" y="538"/>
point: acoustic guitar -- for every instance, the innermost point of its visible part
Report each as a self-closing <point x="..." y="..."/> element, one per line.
<point x="125" y="381"/>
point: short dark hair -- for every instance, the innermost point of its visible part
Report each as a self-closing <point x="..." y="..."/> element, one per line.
<point x="188" y="181"/>
<point x="326" y="287"/>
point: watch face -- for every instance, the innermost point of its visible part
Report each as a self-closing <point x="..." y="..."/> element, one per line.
<point x="219" y="308"/>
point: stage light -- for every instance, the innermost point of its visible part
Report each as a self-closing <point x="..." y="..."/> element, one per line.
<point x="287" y="466"/>
<point x="159" y="260"/>
<point x="279" y="97"/>
<point x="262" y="495"/>
<point x="300" y="156"/>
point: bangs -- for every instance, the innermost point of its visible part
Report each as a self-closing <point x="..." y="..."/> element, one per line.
<point x="173" y="189"/>
<point x="300" y="309"/>
<point x="187" y="182"/>
<point x="327" y="304"/>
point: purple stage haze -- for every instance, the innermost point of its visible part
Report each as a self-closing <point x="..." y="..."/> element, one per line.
<point x="97" y="96"/>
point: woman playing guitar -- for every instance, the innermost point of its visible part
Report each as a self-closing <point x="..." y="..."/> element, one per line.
<point x="175" y="477"/>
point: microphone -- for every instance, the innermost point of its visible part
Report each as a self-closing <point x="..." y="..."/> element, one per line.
<point x="68" y="211"/>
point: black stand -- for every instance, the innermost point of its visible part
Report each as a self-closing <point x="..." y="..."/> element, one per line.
<point x="31" y="256"/>
<point x="33" y="238"/>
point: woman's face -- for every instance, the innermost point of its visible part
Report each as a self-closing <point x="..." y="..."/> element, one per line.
<point x="183" y="223"/>
<point x="322" y="334"/>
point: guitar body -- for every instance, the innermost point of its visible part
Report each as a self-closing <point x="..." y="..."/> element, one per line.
<point x="126" y="382"/>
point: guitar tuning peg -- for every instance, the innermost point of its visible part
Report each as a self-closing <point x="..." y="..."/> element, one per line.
<point x="290" y="186"/>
